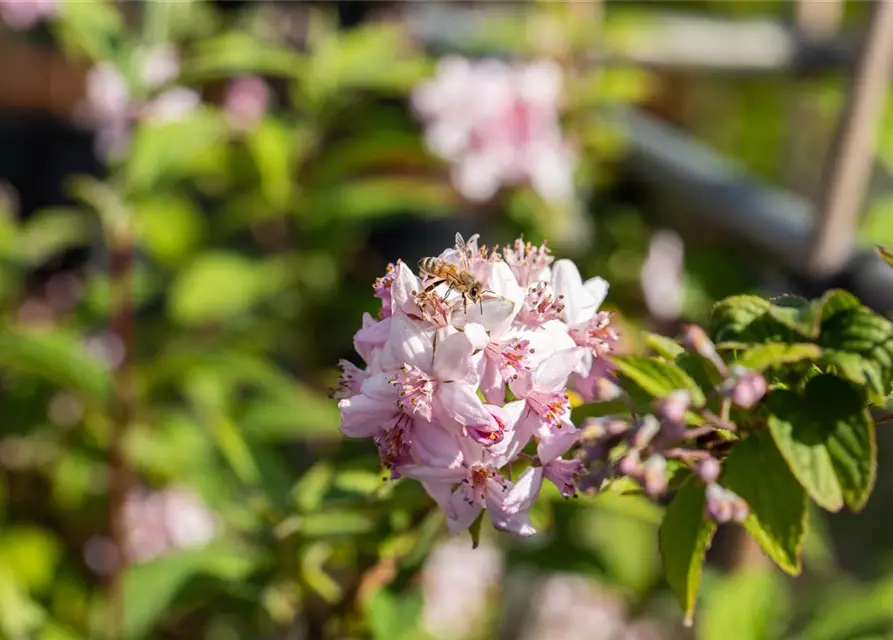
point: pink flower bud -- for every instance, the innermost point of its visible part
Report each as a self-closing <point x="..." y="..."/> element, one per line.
<point x="748" y="388"/>
<point x="673" y="406"/>
<point x="655" y="472"/>
<point x="629" y="464"/>
<point x="708" y="470"/>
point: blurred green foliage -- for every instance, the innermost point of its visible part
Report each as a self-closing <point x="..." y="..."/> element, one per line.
<point x="251" y="269"/>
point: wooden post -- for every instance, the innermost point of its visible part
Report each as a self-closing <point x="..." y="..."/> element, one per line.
<point x="851" y="155"/>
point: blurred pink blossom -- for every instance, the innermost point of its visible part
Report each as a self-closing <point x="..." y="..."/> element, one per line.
<point x="246" y="101"/>
<point x="25" y="14"/>
<point x="498" y="125"/>
<point x="113" y="109"/>
<point x="662" y="275"/>
<point x="160" y="522"/>
<point x="459" y="585"/>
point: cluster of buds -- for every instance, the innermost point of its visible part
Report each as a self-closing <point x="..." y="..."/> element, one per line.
<point x="642" y="447"/>
<point x="458" y="379"/>
<point x="498" y="125"/>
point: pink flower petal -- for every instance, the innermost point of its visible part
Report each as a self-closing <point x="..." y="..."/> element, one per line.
<point x="551" y="375"/>
<point x="459" y="402"/>
<point x="522" y="494"/>
<point x="408" y="343"/>
<point x="452" y="358"/>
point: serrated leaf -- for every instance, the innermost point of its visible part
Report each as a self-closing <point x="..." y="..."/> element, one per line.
<point x="858" y="343"/>
<point x="685" y="537"/>
<point x="657" y="377"/>
<point x="803" y="317"/>
<point x="731" y="317"/>
<point x="764" y="356"/>
<point x="757" y="472"/>
<point x="827" y="437"/>
<point x="851" y="444"/>
<point x="793" y="429"/>
<point x="662" y="346"/>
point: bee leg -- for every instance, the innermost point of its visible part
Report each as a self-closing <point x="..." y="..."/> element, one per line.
<point x="433" y="286"/>
<point x="481" y="301"/>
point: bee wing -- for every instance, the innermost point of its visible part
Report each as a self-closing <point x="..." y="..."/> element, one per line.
<point x="491" y="311"/>
<point x="462" y="248"/>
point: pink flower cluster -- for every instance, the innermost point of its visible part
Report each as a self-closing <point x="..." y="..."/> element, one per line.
<point x="26" y="14"/>
<point x="471" y="397"/>
<point x="498" y="124"/>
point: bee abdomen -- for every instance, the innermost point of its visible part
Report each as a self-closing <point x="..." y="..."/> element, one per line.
<point x="428" y="265"/>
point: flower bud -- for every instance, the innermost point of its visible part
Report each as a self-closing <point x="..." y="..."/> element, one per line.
<point x="629" y="464"/>
<point x="708" y="470"/>
<point x="672" y="407"/>
<point x="648" y="427"/>
<point x="655" y="472"/>
<point x="603" y="390"/>
<point x="722" y="505"/>
<point x="696" y="339"/>
<point x="746" y="388"/>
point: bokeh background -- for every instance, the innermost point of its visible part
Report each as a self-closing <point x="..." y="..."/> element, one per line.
<point x="195" y="198"/>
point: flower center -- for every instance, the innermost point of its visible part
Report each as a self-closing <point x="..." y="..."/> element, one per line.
<point x="549" y="406"/>
<point x="540" y="306"/>
<point x="416" y="391"/>
<point x="527" y="261"/>
<point x="597" y="335"/>
<point x="393" y="444"/>
<point x="510" y="356"/>
<point x="477" y="483"/>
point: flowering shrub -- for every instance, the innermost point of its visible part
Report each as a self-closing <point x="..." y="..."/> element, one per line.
<point x="741" y="425"/>
<point x="453" y="392"/>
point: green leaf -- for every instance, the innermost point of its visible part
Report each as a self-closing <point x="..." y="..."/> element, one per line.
<point x="757" y="472"/>
<point x="765" y="356"/>
<point x="368" y="198"/>
<point x="175" y="150"/>
<point x="851" y="440"/>
<point x="56" y="356"/>
<point x="827" y="437"/>
<point x="271" y="145"/>
<point x="236" y="52"/>
<point x="662" y="346"/>
<point x="731" y="317"/>
<point x="51" y="232"/>
<point x="90" y="28"/>
<point x="475" y="530"/>
<point x="885" y="255"/>
<point x="858" y="344"/>
<point x="685" y="537"/>
<point x="20" y="616"/>
<point x="853" y="609"/>
<point x="216" y="286"/>
<point x="751" y="601"/>
<point x="30" y="555"/>
<point x="393" y="617"/>
<point x="657" y="377"/>
<point x="151" y="590"/>
<point x="170" y="227"/>
<point x="312" y="487"/>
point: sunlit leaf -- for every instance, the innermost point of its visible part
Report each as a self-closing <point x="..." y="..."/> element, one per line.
<point x="685" y="536"/>
<point x="777" y="502"/>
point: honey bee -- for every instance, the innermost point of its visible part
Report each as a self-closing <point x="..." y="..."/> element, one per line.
<point x="458" y="278"/>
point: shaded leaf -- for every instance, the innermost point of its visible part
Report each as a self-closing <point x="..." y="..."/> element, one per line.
<point x="757" y="472"/>
<point x="858" y="344"/>
<point x="827" y="437"/>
